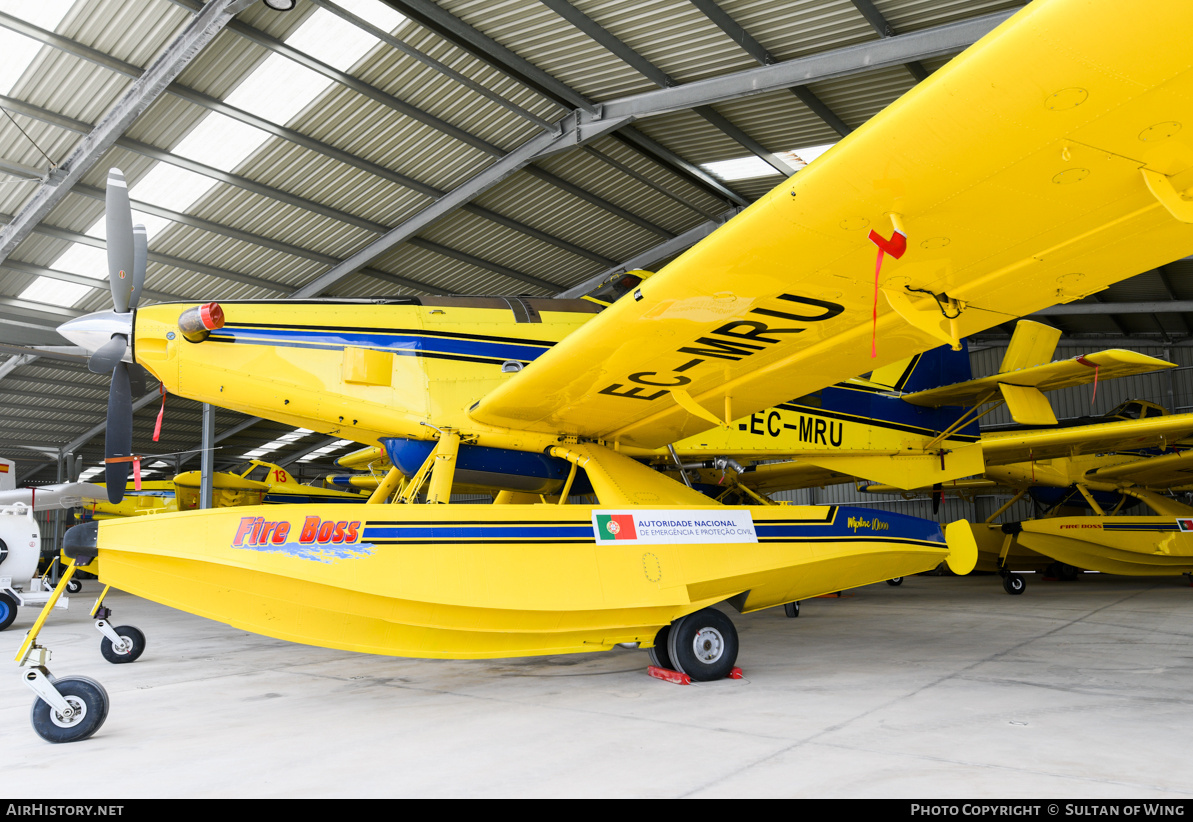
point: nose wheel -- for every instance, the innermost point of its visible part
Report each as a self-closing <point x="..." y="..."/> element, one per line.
<point x="66" y="710"/>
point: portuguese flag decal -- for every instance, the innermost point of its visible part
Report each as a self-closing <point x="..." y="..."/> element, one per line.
<point x="615" y="526"/>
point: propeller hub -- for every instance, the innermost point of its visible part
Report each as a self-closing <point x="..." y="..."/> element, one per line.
<point x="93" y="331"/>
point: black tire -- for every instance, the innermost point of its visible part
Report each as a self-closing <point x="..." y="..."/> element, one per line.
<point x="8" y="611"/>
<point x="74" y="586"/>
<point x="1014" y="584"/>
<point x="658" y="654"/>
<point x="87" y="696"/>
<point x="791" y="609"/>
<point x="896" y="581"/>
<point x="703" y="645"/>
<point x="127" y="632"/>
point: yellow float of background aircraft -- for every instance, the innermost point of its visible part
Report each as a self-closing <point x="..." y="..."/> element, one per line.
<point x="1112" y="539"/>
<point x="1016" y="175"/>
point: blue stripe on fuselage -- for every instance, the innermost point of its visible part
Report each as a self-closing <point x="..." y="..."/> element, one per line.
<point x="409" y="342"/>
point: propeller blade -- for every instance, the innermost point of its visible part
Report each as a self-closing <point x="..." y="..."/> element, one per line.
<point x="119" y="216"/>
<point x="937" y="496"/>
<point x="119" y="440"/>
<point x="140" y="259"/>
<point x="108" y="355"/>
<point x="138" y="379"/>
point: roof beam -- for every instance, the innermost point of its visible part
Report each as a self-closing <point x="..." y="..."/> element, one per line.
<point x="456" y="31"/>
<point x="651" y="72"/>
<point x="429" y="15"/>
<point x="247" y="184"/>
<point x="742" y="38"/>
<point x="842" y="62"/>
<point x="652" y="255"/>
<point x="359" y="86"/>
<point x="879" y="23"/>
<point x="202" y="28"/>
<point x="426" y="60"/>
<point x="212" y="104"/>
<point x="578" y="128"/>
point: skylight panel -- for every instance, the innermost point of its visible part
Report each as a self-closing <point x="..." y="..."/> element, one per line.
<point x="375" y="12"/>
<point x="54" y="292"/>
<point x="278" y="89"/>
<point x="752" y="167"/>
<point x="325" y="450"/>
<point x="19" y="50"/>
<point x="170" y="187"/>
<point x="741" y="168"/>
<point x="332" y="40"/>
<point x="84" y="260"/>
<point x="220" y="142"/>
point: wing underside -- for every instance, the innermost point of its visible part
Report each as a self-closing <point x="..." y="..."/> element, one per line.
<point x="1016" y="172"/>
<point x="1108" y="437"/>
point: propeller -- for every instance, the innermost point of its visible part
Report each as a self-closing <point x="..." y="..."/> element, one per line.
<point x="128" y="252"/>
<point x="937" y="496"/>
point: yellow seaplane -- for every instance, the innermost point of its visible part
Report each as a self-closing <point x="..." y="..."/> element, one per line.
<point x="1095" y="523"/>
<point x="1012" y="179"/>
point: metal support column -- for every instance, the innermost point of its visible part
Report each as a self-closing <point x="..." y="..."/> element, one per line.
<point x="207" y="461"/>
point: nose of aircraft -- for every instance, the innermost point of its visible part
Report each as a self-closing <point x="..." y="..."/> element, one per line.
<point x="96" y="332"/>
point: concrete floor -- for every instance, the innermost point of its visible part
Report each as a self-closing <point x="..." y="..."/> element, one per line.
<point x="941" y="688"/>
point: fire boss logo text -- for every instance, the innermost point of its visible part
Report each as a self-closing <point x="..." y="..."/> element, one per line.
<point x="257" y="531"/>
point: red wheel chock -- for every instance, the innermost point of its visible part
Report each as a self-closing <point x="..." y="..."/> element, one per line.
<point x="668" y="675"/>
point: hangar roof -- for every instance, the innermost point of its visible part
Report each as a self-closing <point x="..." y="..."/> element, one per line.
<point x="362" y="148"/>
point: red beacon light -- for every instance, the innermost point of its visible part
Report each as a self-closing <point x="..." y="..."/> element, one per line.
<point x="197" y="323"/>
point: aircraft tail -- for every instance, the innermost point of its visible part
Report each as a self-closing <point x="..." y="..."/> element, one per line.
<point x="932" y="369"/>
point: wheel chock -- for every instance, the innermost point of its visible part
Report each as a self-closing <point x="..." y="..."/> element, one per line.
<point x="668" y="675"/>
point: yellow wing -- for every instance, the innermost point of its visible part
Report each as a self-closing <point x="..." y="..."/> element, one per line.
<point x="1035" y="168"/>
<point x="1003" y="448"/>
<point x="1174" y="471"/>
<point x="1068" y="373"/>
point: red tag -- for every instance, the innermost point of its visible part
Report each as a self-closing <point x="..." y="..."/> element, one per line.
<point x="895" y="246"/>
<point x="157" y="429"/>
<point x="137" y="473"/>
